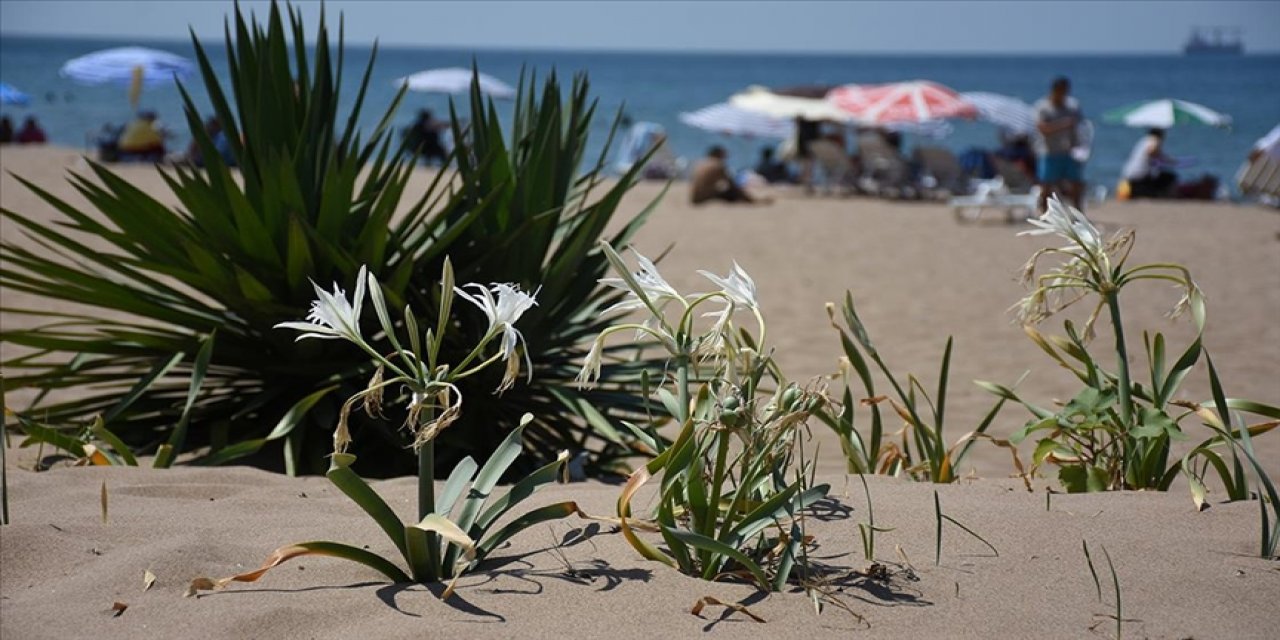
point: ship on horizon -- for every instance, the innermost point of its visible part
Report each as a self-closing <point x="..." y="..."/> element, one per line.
<point x="1200" y="44"/>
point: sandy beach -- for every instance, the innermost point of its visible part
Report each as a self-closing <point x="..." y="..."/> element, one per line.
<point x="917" y="276"/>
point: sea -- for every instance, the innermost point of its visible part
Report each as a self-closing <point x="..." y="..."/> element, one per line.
<point x="657" y="87"/>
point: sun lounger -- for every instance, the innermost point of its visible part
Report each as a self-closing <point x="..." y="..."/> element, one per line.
<point x="1260" y="177"/>
<point x="940" y="170"/>
<point x="836" y="167"/>
<point x="994" y="194"/>
<point x="884" y="172"/>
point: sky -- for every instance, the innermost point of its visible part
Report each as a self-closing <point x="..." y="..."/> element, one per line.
<point x="1031" y="26"/>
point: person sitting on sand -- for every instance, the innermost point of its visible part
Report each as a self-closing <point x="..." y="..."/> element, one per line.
<point x="142" y="137"/>
<point x="6" y="130"/>
<point x="772" y="170"/>
<point x="423" y="138"/>
<point x="31" y="133"/>
<point x="1147" y="170"/>
<point x="1016" y="149"/>
<point x="711" y="180"/>
<point x="221" y="144"/>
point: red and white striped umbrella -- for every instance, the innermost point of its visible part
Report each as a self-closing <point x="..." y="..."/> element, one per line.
<point x="915" y="101"/>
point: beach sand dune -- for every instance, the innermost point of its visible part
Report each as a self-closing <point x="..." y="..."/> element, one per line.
<point x="1182" y="574"/>
<point x="917" y="276"/>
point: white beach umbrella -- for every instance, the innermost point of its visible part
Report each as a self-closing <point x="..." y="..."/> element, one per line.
<point x="1004" y="111"/>
<point x="1165" y="113"/>
<point x="132" y="66"/>
<point x="761" y="100"/>
<point x="454" y="80"/>
<point x="728" y="119"/>
<point x="121" y="65"/>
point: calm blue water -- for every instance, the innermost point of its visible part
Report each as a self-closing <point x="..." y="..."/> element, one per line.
<point x="657" y="87"/>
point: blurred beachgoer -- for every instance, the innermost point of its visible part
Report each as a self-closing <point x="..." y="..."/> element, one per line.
<point x="143" y="137"/>
<point x="770" y="169"/>
<point x="6" y="130"/>
<point x="1058" y="119"/>
<point x="31" y="133"/>
<point x="1147" y="170"/>
<point x="1016" y="148"/>
<point x="423" y="137"/>
<point x="221" y="144"/>
<point x="806" y="131"/>
<point x="711" y="180"/>
<point x="1268" y="145"/>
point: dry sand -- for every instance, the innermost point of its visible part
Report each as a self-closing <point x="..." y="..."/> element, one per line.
<point x="918" y="276"/>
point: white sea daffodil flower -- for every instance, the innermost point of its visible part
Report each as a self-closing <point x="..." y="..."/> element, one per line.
<point x="503" y="304"/>
<point x="738" y="285"/>
<point x="1069" y="223"/>
<point x="332" y="315"/>
<point x="652" y="284"/>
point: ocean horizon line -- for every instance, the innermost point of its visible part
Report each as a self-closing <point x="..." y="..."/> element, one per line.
<point x="400" y="46"/>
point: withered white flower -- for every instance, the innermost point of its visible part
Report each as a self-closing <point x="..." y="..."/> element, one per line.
<point x="590" y="372"/>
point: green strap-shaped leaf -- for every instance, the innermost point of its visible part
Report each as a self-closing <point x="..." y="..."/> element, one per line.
<point x="164" y="457"/>
<point x="142" y="385"/>
<point x="341" y="475"/>
<point x="716" y="547"/>
<point x="537" y="516"/>
<point x="104" y="434"/>
<point x="459" y="478"/>
<point x="518" y="493"/>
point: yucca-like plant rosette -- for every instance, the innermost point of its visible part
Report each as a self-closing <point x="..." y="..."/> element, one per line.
<point x="169" y="338"/>
<point x="735" y="472"/>
<point x="451" y="533"/>
<point x="1118" y="433"/>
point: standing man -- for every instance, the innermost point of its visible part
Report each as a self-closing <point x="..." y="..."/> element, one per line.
<point x="1058" y="121"/>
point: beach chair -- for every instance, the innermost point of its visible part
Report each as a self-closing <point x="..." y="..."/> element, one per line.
<point x="885" y="173"/>
<point x="1011" y="191"/>
<point x="640" y="140"/>
<point x="836" y="167"/>
<point x="1260" y="178"/>
<point x="941" y="172"/>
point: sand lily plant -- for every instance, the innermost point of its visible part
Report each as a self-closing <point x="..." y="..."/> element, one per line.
<point x="733" y="483"/>
<point x="1119" y="432"/>
<point x="452" y="530"/>
<point x="918" y="450"/>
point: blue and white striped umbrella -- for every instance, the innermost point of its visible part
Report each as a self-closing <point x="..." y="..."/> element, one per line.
<point x="9" y="94"/>
<point x="728" y="119"/>
<point x="116" y="66"/>
<point x="1004" y="111"/>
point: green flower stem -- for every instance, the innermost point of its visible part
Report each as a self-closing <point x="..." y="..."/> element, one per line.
<point x="427" y="493"/>
<point x="682" y="388"/>
<point x="1122" y="373"/>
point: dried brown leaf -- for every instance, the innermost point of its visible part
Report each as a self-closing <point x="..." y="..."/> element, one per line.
<point x="277" y="557"/>
<point x="708" y="600"/>
<point x="118" y="608"/>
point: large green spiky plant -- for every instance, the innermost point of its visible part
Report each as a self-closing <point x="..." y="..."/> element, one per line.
<point x="143" y="285"/>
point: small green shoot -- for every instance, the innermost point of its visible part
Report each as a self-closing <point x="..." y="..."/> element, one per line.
<point x="939" y="517"/>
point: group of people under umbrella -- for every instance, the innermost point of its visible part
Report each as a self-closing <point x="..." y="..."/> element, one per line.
<point x="1048" y="142"/>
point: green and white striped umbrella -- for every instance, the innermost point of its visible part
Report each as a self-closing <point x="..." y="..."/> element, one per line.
<point x="1163" y="114"/>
